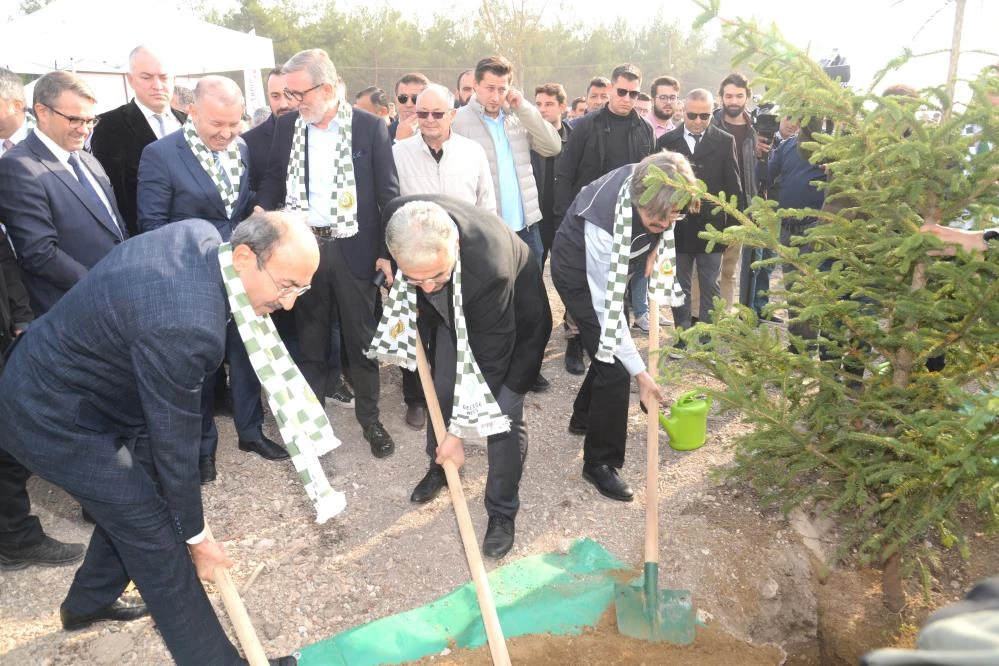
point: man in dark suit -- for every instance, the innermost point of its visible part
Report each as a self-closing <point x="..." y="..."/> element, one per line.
<point x="711" y="152"/>
<point x="258" y="139"/>
<point x="349" y="262"/>
<point x="55" y="198"/>
<point x="22" y="541"/>
<point x="118" y="141"/>
<point x="200" y="172"/>
<point x="110" y="414"/>
<point x="508" y="321"/>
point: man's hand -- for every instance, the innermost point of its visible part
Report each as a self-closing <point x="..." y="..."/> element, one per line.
<point x="207" y="557"/>
<point x="406" y="128"/>
<point x="514" y="98"/>
<point x="649" y="392"/>
<point x="257" y="210"/>
<point x="385" y="266"/>
<point x="762" y="147"/>
<point x="453" y="449"/>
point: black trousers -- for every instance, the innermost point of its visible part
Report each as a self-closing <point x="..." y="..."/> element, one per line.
<point x="335" y="288"/>
<point x="603" y="398"/>
<point x="506" y="452"/>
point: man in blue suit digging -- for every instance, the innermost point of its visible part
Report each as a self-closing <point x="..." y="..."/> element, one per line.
<point x="102" y="398"/>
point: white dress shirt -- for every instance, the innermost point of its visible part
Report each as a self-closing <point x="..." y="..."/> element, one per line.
<point x="323" y="144"/>
<point x="170" y="122"/>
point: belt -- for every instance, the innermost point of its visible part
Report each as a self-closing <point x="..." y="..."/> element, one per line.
<point x="325" y="233"/>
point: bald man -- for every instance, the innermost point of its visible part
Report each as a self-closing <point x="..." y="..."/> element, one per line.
<point x="202" y="171"/>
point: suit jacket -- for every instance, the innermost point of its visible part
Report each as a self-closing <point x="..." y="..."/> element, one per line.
<point x="174" y="186"/>
<point x="506" y="306"/>
<point x="14" y="304"/>
<point x="374" y="173"/>
<point x="258" y="140"/>
<point x="117" y="143"/>
<point x="148" y="324"/>
<point x="58" y="230"/>
<point x="715" y="163"/>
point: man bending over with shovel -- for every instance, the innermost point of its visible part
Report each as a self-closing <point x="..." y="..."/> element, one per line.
<point x="606" y="236"/>
<point x="483" y="315"/>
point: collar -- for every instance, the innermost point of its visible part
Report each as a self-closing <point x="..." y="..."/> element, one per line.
<point x="149" y="113"/>
<point x="656" y="122"/>
<point x="60" y="153"/>
<point x="687" y="132"/>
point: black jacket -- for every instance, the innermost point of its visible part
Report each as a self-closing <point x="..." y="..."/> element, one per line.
<point x="14" y="307"/>
<point x="258" y="140"/>
<point x="583" y="157"/>
<point x="541" y="165"/>
<point x="117" y="144"/>
<point x="715" y="163"/>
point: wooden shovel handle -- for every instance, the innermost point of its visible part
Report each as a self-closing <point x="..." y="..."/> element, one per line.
<point x="494" y="632"/>
<point x="652" y="446"/>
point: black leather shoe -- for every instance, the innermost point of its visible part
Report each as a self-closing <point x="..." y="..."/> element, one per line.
<point x="578" y="423"/>
<point x="379" y="439"/>
<point x="607" y="481"/>
<point x="416" y="416"/>
<point x="264" y="447"/>
<point x="47" y="553"/>
<point x="499" y="537"/>
<point x="120" y="611"/>
<point x="540" y="384"/>
<point x="574" y="356"/>
<point x="206" y="467"/>
<point x="429" y="486"/>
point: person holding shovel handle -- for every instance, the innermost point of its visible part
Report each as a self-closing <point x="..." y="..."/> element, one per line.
<point x="606" y="236"/>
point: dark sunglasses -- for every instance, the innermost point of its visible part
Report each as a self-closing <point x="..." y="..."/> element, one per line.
<point x="695" y="116"/>
<point x="438" y="115"/>
<point x="403" y="98"/>
<point x="633" y="94"/>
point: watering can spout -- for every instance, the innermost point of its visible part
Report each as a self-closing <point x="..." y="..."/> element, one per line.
<point x="687" y="422"/>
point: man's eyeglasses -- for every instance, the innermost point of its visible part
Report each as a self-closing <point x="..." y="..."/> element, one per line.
<point x="695" y="116"/>
<point x="299" y="96"/>
<point x="438" y="115"/>
<point x="286" y="291"/>
<point x="666" y="98"/>
<point x="403" y="98"/>
<point x="76" y="122"/>
<point x="633" y="94"/>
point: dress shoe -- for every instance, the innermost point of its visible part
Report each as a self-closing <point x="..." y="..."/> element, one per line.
<point x="540" y="384"/>
<point x="206" y="468"/>
<point x="121" y="611"/>
<point x="499" y="537"/>
<point x="607" y="481"/>
<point x="416" y="416"/>
<point x="264" y="447"/>
<point x="574" y="356"/>
<point x="578" y="423"/>
<point x="429" y="486"/>
<point x="379" y="439"/>
<point x="47" y="553"/>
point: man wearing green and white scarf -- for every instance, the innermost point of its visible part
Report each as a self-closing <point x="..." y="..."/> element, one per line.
<point x="483" y="314"/>
<point x="605" y="237"/>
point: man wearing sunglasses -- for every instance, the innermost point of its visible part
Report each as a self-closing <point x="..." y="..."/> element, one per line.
<point x="55" y="198"/>
<point x="711" y="152"/>
<point x="407" y="91"/>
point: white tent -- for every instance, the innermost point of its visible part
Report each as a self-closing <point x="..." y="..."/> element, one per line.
<point x="94" y="39"/>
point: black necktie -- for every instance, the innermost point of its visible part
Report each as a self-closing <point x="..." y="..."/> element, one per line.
<point x="697" y="140"/>
<point x="74" y="161"/>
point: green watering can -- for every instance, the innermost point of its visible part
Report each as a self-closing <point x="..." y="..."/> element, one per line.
<point x="687" y="423"/>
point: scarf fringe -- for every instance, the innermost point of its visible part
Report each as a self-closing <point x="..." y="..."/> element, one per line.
<point x="493" y="426"/>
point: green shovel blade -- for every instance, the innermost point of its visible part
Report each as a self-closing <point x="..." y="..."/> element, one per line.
<point x="650" y="614"/>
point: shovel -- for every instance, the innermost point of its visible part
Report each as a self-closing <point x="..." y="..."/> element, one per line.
<point x="643" y="610"/>
<point x="494" y="632"/>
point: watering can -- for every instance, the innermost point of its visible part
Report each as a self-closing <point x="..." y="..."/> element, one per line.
<point x="687" y="422"/>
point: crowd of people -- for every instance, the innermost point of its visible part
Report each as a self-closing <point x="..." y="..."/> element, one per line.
<point x="136" y="236"/>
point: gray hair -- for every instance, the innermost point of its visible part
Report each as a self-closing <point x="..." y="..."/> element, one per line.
<point x="221" y="88"/>
<point x="11" y="87"/>
<point x="419" y="231"/>
<point x="445" y="94"/>
<point x="50" y="86"/>
<point x="261" y="232"/>
<point x="673" y="165"/>
<point x="316" y="63"/>
<point x="700" y="95"/>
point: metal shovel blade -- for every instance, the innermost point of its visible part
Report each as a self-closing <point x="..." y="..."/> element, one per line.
<point x="647" y="613"/>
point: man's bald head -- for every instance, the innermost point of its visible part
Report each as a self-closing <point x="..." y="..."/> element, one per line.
<point x="217" y="111"/>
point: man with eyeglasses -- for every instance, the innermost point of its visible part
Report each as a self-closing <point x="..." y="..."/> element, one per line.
<point x="711" y="152"/>
<point x="665" y="93"/>
<point x="202" y="172"/>
<point x="407" y="90"/>
<point x="101" y="398"/>
<point x="505" y="320"/>
<point x="335" y="163"/>
<point x="55" y="198"/>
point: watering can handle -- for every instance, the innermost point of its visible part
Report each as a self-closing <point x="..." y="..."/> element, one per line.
<point x="690" y="395"/>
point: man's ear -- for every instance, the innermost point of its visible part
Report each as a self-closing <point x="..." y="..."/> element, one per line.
<point x="243" y="258"/>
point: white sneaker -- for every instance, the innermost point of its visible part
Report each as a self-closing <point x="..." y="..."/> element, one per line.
<point x="642" y="322"/>
<point x="664" y="321"/>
